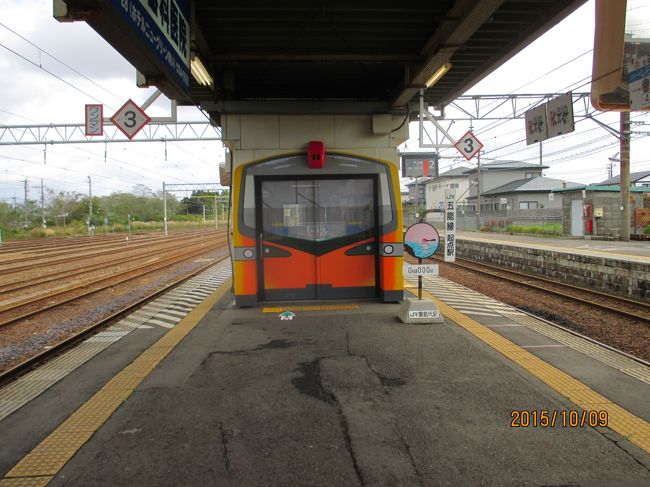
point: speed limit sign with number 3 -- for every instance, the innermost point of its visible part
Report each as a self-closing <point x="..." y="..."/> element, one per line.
<point x="468" y="145"/>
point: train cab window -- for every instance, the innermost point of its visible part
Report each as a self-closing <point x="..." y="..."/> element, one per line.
<point x="341" y="195"/>
<point x="318" y="210"/>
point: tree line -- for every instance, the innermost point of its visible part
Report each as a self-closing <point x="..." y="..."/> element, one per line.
<point x="65" y="208"/>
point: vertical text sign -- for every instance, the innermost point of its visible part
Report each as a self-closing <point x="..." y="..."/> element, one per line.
<point x="559" y="115"/>
<point x="94" y="120"/>
<point x="536" y="127"/>
<point x="450" y="225"/>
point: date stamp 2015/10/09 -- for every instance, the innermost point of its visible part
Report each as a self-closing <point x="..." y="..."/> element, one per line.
<point x="544" y="418"/>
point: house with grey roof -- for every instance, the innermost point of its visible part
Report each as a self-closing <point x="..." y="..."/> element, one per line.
<point x="416" y="191"/>
<point x="525" y="194"/>
<point x="495" y="174"/>
<point x="455" y="178"/>
<point x="639" y="179"/>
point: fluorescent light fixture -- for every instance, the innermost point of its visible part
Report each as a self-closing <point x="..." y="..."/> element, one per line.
<point x="199" y="72"/>
<point x="440" y="72"/>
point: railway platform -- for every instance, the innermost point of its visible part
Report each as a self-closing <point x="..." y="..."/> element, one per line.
<point x="338" y="394"/>
<point x="619" y="268"/>
<point x="633" y="250"/>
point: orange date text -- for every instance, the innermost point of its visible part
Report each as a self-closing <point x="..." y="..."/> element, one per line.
<point x="544" y="418"/>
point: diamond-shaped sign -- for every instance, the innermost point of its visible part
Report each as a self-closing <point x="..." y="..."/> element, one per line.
<point x="468" y="145"/>
<point x="130" y="119"/>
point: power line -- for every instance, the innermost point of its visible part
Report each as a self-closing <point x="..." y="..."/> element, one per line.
<point x="52" y="74"/>
<point x="84" y="173"/>
<point x="59" y="61"/>
<point x="97" y="158"/>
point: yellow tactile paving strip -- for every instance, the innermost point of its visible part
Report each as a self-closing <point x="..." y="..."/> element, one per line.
<point x="41" y="465"/>
<point x="620" y="420"/>
<point x="462" y="299"/>
<point x="322" y="307"/>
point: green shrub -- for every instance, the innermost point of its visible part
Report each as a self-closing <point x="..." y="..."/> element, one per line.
<point x="544" y="229"/>
<point x="646" y="230"/>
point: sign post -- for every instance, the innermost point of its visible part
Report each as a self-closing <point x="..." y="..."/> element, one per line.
<point x="421" y="241"/>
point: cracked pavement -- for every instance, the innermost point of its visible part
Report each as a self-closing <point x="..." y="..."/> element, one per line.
<point x="340" y="399"/>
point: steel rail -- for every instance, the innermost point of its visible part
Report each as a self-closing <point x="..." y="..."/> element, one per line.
<point x="9" y="246"/>
<point x="36" y="244"/>
<point x="92" y="250"/>
<point x="142" y="270"/>
<point x="30" y="363"/>
<point x="83" y="269"/>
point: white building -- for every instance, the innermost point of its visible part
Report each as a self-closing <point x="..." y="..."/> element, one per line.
<point x="453" y="179"/>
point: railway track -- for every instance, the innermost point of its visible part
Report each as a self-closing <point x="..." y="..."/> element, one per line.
<point x="50" y="243"/>
<point x="59" y="347"/>
<point x="19" y="278"/>
<point x="620" y="306"/>
<point x="37" y="300"/>
<point x="22" y="261"/>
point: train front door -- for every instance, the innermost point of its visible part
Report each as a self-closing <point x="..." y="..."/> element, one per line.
<point x="317" y="238"/>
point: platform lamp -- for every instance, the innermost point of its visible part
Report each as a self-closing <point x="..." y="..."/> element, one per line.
<point x="199" y="72"/>
<point x="439" y="73"/>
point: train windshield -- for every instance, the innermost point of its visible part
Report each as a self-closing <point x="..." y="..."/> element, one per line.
<point x="350" y="198"/>
<point x="318" y="210"/>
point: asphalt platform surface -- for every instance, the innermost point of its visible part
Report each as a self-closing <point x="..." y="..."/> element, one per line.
<point x="337" y="398"/>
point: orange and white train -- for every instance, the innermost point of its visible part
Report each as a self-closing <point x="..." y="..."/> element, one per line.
<point x="301" y="231"/>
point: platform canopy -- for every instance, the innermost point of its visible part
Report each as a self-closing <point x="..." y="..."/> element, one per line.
<point x="330" y="56"/>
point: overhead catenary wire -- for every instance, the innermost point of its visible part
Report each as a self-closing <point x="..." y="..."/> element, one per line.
<point x="52" y="74"/>
<point x="61" y="62"/>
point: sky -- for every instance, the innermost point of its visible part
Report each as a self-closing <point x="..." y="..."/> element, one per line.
<point x="51" y="70"/>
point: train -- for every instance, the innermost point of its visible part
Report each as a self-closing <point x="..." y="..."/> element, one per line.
<point x="312" y="226"/>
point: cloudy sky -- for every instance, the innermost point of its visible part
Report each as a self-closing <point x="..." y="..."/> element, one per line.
<point x="51" y="70"/>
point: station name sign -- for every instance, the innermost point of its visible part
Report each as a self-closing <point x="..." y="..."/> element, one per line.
<point x="164" y="27"/>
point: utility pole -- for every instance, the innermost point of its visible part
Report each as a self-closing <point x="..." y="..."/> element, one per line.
<point x="90" y="205"/>
<point x="417" y="200"/>
<point x="478" y="193"/>
<point x="625" y="175"/>
<point x="203" y="213"/>
<point x="165" y="208"/>
<point x="216" y="219"/>
<point x="610" y="166"/>
<point x="26" y="219"/>
<point x="42" y="205"/>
